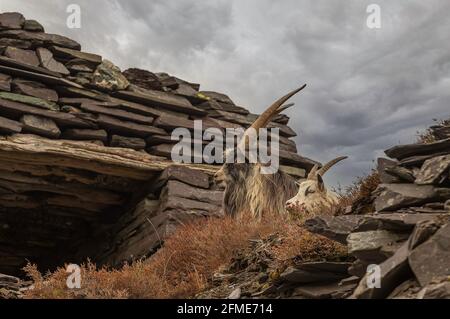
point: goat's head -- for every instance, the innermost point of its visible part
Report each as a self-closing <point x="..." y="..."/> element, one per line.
<point x="312" y="194"/>
<point x="241" y="179"/>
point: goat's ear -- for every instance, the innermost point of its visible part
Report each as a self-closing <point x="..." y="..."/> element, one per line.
<point x="320" y="183"/>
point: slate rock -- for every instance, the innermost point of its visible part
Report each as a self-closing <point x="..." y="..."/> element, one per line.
<point x="382" y="164"/>
<point x="335" y="228"/>
<point x="22" y="44"/>
<point x="40" y="126"/>
<point x="21" y="55"/>
<point x="121" y="114"/>
<point x="108" y="77"/>
<point x="9" y="126"/>
<point x="143" y="79"/>
<point x="434" y="170"/>
<point x="47" y="61"/>
<point x="35" y="101"/>
<point x="431" y="259"/>
<point x="178" y="189"/>
<point x="127" y="142"/>
<point x="403" y="151"/>
<point x="160" y="99"/>
<point x="41" y="38"/>
<point x="78" y="65"/>
<point x="33" y="25"/>
<point x="19" y="69"/>
<point x="186" y="175"/>
<point x="369" y="245"/>
<point x="187" y="209"/>
<point x="315" y="272"/>
<point x="5" y="82"/>
<point x="35" y="89"/>
<point x="95" y="59"/>
<point x="396" y="222"/>
<point x="402" y="174"/>
<point x="85" y="134"/>
<point x="215" y="105"/>
<point x="393" y="272"/>
<point x="127" y="128"/>
<point x="11" y="20"/>
<point x="395" y="196"/>
<point x="220" y="97"/>
<point x="423" y="230"/>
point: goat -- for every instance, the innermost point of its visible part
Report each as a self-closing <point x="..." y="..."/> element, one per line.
<point x="313" y="198"/>
<point x="247" y="190"/>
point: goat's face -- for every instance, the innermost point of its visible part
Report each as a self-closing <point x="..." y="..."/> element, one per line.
<point x="231" y="173"/>
<point x="312" y="196"/>
<point x="309" y="191"/>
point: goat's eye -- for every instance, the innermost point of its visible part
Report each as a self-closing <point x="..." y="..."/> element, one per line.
<point x="309" y="191"/>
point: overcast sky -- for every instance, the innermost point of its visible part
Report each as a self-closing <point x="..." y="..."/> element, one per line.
<point x="368" y="89"/>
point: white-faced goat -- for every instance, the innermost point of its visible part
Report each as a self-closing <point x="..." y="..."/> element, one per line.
<point x="248" y="191"/>
<point x="313" y="198"/>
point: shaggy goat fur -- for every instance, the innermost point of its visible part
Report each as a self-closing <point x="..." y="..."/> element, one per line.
<point x="249" y="191"/>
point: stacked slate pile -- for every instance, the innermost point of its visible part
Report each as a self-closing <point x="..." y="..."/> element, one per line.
<point x="408" y="235"/>
<point x="11" y="287"/>
<point x="82" y="142"/>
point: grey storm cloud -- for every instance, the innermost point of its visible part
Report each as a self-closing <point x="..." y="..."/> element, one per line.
<point x="368" y="89"/>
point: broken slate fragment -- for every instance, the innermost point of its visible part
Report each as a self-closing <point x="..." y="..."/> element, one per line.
<point x="75" y="54"/>
<point x="5" y="82"/>
<point x="48" y="62"/>
<point x="395" y="196"/>
<point x="108" y="77"/>
<point x="433" y="170"/>
<point x="31" y="100"/>
<point x="21" y="55"/>
<point x="369" y="245"/>
<point x="40" y="126"/>
<point x="35" y="89"/>
<point x="11" y="20"/>
<point x="9" y="126"/>
<point x="127" y="142"/>
<point x="85" y="134"/>
<point x="40" y="38"/>
<point x="393" y="272"/>
<point x="33" y="25"/>
<point x="403" y="151"/>
<point x="431" y="259"/>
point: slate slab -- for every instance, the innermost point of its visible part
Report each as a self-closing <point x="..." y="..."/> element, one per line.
<point x="36" y="89"/>
<point x="434" y="170"/>
<point x="395" y="196"/>
<point x="40" y="126"/>
<point x="11" y="20"/>
<point x="431" y="259"/>
<point x="47" y="61"/>
<point x="21" y="55"/>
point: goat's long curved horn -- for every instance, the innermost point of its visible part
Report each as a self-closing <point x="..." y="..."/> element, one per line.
<point x="274" y="109"/>
<point x="330" y="164"/>
<point x="313" y="172"/>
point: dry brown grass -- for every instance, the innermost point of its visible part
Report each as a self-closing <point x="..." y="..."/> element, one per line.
<point x="359" y="192"/>
<point x="179" y="270"/>
<point x="428" y="136"/>
<point x="190" y="257"/>
<point x="300" y="245"/>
